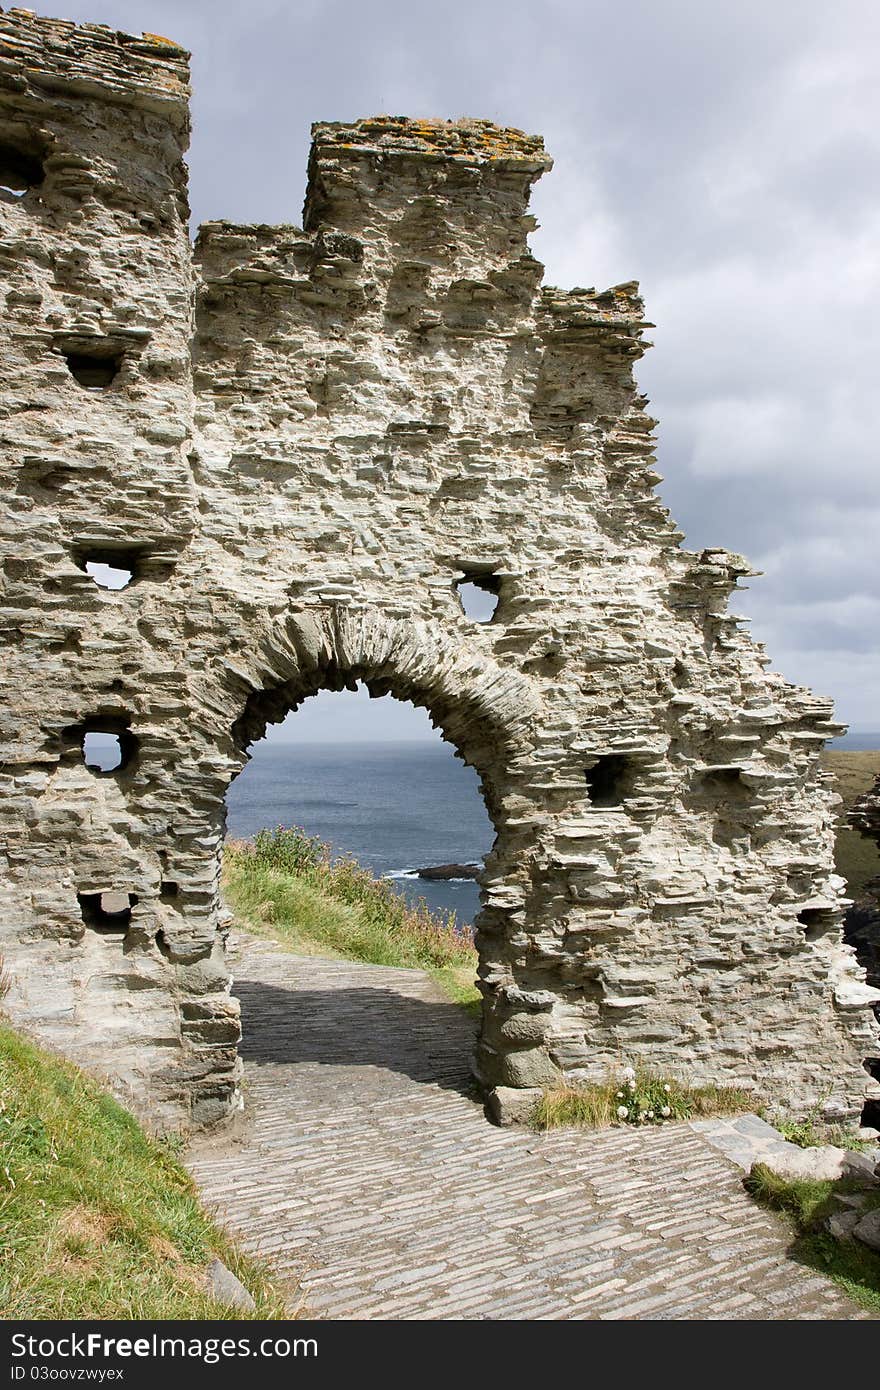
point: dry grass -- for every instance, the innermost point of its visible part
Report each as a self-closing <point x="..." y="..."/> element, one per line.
<point x="857" y="859"/>
<point x="595" y="1105"/>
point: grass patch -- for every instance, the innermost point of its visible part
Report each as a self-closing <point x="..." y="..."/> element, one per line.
<point x="808" y="1135"/>
<point x="807" y="1205"/>
<point x="857" y="859"/>
<point x="286" y="886"/>
<point x="458" y="983"/>
<point x="651" y="1101"/>
<point x="96" y="1219"/>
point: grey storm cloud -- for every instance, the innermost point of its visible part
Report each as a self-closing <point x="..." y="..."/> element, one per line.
<point x="726" y="155"/>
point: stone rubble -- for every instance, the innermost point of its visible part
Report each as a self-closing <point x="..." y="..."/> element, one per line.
<point x="824" y="1163"/>
<point x="226" y="1288"/>
<point x="867" y="1229"/>
<point x="299" y="442"/>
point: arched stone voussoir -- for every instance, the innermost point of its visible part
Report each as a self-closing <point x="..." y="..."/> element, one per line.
<point x="487" y="711"/>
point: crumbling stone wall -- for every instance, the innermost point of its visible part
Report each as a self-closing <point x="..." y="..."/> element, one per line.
<point x="299" y="442"/>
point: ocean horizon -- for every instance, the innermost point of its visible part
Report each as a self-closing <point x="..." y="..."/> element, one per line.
<point x="857" y="741"/>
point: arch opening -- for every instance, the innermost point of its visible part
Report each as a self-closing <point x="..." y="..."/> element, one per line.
<point x="367" y="776"/>
<point x="485" y="712"/>
<point x="371" y="779"/>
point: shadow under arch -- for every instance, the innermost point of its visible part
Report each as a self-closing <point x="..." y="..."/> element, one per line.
<point x="355" y="1025"/>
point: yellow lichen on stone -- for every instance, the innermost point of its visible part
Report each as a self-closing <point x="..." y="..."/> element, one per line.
<point x="465" y="137"/>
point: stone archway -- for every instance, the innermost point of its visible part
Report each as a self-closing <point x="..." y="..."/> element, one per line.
<point x="485" y="714"/>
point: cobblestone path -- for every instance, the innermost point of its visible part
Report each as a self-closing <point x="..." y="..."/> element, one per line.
<point x="365" y="1169"/>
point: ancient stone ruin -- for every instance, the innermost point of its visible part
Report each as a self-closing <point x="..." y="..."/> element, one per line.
<point x="298" y="444"/>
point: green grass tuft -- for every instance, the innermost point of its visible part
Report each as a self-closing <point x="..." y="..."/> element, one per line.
<point x="809" y="1133"/>
<point x="96" y="1219"/>
<point x="284" y="885"/>
<point x="806" y="1200"/>
<point x="807" y="1204"/>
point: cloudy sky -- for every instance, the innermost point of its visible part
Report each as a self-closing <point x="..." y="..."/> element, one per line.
<point x="725" y="154"/>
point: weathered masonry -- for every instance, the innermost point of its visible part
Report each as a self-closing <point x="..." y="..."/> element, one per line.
<point x="298" y="444"/>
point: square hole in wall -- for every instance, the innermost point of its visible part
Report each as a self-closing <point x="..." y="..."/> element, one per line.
<point x="21" y="161"/>
<point x="109" y="565"/>
<point x="96" y="369"/>
<point x="108" y="576"/>
<point x="818" y="922"/>
<point x="479" y="594"/>
<point x="610" y="780"/>
<point x="106" y="743"/>
<point x="107" y="911"/>
<point x="102" y="752"/>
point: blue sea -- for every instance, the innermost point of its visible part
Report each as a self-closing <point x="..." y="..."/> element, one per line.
<point x="394" y="807"/>
<point x="856" y="741"/>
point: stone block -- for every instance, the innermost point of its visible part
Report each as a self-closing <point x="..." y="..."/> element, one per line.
<point x="512" y="1105"/>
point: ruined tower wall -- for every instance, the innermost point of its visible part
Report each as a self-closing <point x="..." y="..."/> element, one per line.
<point x="96" y="266"/>
<point x="380" y="405"/>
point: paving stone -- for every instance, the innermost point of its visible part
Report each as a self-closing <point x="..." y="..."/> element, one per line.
<point x="457" y="1233"/>
<point x="226" y="1288"/>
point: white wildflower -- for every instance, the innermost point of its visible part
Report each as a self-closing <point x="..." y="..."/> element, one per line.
<point x="650" y="1114"/>
<point x="666" y="1112"/>
<point x="667" y="1088"/>
<point x="620" y="1095"/>
<point x="622" y="1112"/>
<point x="628" y="1074"/>
<point x="631" y="1085"/>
